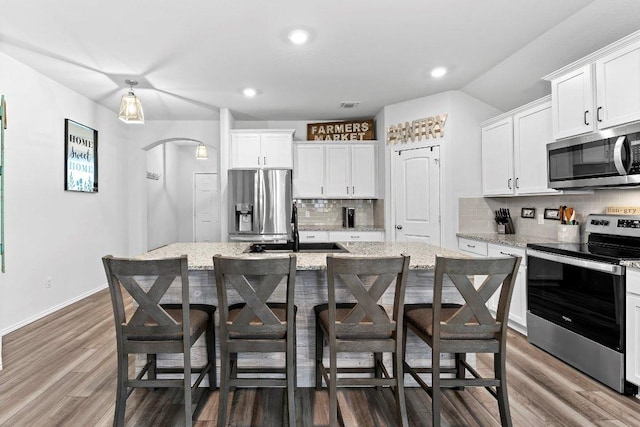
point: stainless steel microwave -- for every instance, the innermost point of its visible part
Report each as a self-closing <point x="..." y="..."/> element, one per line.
<point x="608" y="158"/>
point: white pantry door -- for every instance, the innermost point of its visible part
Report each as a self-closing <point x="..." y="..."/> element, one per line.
<point x="416" y="192"/>
<point x="206" y="204"/>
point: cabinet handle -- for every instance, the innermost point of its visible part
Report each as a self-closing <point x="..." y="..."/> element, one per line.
<point x="353" y="190"/>
<point x="258" y="159"/>
<point x="321" y="189"/>
<point x="585" y="117"/>
<point x="506" y="253"/>
<point x="517" y="182"/>
<point x="311" y="236"/>
<point x="355" y="237"/>
<point x="598" y="114"/>
<point x="509" y="183"/>
<point x="265" y="161"/>
<point x="347" y="189"/>
<point x="471" y="246"/>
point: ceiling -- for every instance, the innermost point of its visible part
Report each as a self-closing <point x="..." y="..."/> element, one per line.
<point x="193" y="58"/>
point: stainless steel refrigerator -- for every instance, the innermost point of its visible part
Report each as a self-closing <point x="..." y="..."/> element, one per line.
<point x="260" y="202"/>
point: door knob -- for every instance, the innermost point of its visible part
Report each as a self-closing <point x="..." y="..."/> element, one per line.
<point x="399" y="227"/>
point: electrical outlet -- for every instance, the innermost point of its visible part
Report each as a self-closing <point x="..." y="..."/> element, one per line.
<point x="48" y="282"/>
<point x="541" y="218"/>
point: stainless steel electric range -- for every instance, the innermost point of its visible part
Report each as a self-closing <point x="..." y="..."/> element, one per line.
<point x="576" y="298"/>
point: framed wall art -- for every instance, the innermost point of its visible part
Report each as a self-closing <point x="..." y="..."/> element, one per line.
<point x="80" y="157"/>
<point x="528" y="213"/>
<point x="552" y="214"/>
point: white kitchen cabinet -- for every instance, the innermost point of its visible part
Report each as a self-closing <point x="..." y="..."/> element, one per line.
<point x="269" y="149"/>
<point x="308" y="171"/>
<point x="597" y="92"/>
<point x="572" y="103"/>
<point x="308" y="236"/>
<point x="618" y="87"/>
<point x="632" y="354"/>
<point x="337" y="176"/>
<point x="514" y="151"/>
<point x="497" y="158"/>
<point x="351" y="171"/>
<point x="518" y="308"/>
<point x="472" y="247"/>
<point x="531" y="134"/>
<point x="363" y="171"/>
<point x="356" y="236"/>
<point x="335" y="171"/>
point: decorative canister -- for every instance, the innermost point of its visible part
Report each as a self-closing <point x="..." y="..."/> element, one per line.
<point x="569" y="233"/>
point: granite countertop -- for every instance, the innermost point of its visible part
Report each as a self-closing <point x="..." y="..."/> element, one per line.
<point x="304" y="227"/>
<point x="520" y="241"/>
<point x="516" y="240"/>
<point x="200" y="255"/>
<point x="631" y="263"/>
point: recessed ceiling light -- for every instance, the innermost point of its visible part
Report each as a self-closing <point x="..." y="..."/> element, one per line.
<point x="249" y="92"/>
<point x="438" y="72"/>
<point x="298" y="36"/>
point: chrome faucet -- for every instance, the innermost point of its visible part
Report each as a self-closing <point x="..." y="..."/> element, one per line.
<point x="294" y="221"/>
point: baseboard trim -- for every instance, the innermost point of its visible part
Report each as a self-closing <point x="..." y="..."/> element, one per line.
<point x="53" y="309"/>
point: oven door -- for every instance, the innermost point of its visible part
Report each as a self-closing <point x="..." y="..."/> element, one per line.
<point x="583" y="296"/>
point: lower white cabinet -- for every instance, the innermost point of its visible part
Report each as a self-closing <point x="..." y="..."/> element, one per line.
<point x="356" y="236"/>
<point x="307" y="236"/>
<point x="341" y="236"/>
<point x="632" y="354"/>
<point x="518" y="309"/>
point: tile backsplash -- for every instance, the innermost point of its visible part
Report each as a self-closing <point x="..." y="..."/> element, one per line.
<point x="329" y="212"/>
<point x="476" y="213"/>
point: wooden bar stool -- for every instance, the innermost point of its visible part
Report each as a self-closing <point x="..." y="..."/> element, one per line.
<point x="468" y="328"/>
<point x="256" y="325"/>
<point x="156" y="328"/>
<point x="361" y="325"/>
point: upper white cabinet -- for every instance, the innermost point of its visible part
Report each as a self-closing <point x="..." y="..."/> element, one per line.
<point x="514" y="151"/>
<point x="270" y="149"/>
<point x="531" y="134"/>
<point x="497" y="158"/>
<point x="337" y="171"/>
<point x="597" y="92"/>
<point x="308" y="171"/>
<point x="572" y="103"/>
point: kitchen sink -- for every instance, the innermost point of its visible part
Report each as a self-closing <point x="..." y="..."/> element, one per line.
<point x="315" y="247"/>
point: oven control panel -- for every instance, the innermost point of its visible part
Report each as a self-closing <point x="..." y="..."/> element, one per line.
<point x="629" y="223"/>
<point x="617" y="225"/>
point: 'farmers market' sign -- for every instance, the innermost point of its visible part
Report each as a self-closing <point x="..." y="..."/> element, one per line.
<point x="356" y="130"/>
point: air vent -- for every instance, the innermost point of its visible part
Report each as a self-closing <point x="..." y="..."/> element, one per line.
<point x="349" y="104"/>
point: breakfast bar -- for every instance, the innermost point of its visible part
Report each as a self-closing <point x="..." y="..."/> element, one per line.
<point x="311" y="289"/>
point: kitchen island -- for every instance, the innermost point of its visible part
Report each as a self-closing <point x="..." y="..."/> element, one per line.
<point x="311" y="289"/>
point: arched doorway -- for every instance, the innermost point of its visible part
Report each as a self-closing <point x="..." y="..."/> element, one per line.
<point x="183" y="193"/>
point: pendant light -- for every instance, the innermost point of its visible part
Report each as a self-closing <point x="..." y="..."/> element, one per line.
<point x="201" y="152"/>
<point x="130" y="107"/>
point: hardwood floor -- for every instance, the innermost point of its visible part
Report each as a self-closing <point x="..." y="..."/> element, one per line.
<point x="60" y="371"/>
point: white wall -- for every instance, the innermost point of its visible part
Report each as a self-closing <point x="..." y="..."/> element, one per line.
<point x="143" y="138"/>
<point x="63" y="235"/>
<point x="50" y="232"/>
<point x="162" y="196"/>
<point x="459" y="151"/>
